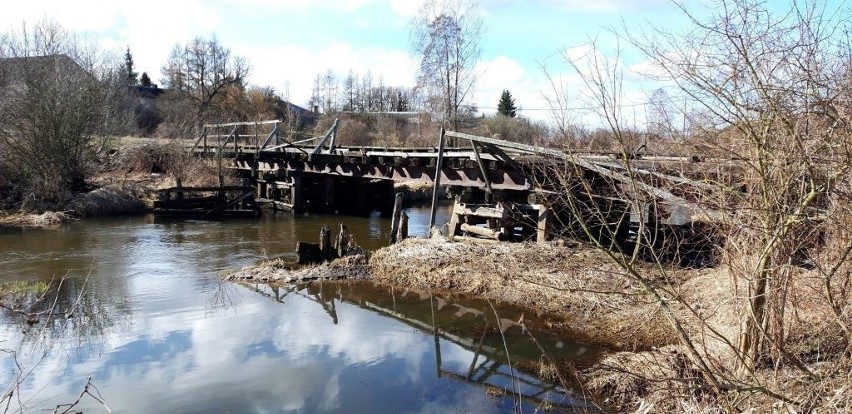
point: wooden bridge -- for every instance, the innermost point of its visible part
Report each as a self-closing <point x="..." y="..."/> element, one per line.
<point x="497" y="183"/>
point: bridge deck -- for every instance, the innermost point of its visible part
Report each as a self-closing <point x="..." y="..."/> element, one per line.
<point x="673" y="183"/>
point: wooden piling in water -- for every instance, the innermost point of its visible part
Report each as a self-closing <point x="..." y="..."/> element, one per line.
<point x="343" y="241"/>
<point x="325" y="241"/>
<point x="403" y="228"/>
<point x="397" y="212"/>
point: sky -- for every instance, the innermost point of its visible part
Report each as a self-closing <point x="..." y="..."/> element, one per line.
<point x="289" y="42"/>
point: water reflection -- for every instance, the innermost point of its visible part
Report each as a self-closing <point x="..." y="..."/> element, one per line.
<point x="469" y="328"/>
<point x="158" y="332"/>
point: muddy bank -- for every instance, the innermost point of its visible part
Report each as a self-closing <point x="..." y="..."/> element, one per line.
<point x="126" y="182"/>
<point x="567" y="281"/>
<point x="575" y="284"/>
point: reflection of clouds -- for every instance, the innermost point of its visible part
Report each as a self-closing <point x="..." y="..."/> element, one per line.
<point x="214" y="359"/>
<point x="263" y="356"/>
<point x="176" y="354"/>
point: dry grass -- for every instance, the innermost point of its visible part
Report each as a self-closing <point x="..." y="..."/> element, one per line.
<point x="417" y="191"/>
<point x="280" y="271"/>
<point x="660" y="380"/>
<point x="105" y="201"/>
<point x="599" y="302"/>
<point x="580" y="285"/>
<point x="46" y="219"/>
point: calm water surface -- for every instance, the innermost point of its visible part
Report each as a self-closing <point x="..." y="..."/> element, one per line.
<point x="157" y="332"/>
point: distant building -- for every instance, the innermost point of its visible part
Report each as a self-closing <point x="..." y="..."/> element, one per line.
<point x="305" y="118"/>
<point x="17" y="71"/>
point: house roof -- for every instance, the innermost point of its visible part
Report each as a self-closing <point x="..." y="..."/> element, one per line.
<point x="17" y="67"/>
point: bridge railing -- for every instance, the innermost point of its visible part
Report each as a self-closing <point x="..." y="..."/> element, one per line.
<point x="219" y="137"/>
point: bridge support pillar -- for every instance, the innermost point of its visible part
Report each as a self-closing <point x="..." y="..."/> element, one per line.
<point x="296" y="198"/>
<point x="543" y="219"/>
<point x="361" y="198"/>
<point x="328" y="195"/>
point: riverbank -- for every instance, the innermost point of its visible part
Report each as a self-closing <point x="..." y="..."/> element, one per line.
<point x="574" y="283"/>
<point x="110" y="198"/>
<point x="589" y="294"/>
<point x="127" y="179"/>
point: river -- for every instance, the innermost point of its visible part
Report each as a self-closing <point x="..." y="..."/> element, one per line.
<point x="154" y="330"/>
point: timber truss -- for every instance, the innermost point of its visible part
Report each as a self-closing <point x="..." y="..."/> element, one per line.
<point x="501" y="169"/>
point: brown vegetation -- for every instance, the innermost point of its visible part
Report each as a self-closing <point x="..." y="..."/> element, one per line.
<point x="768" y="92"/>
<point x="588" y="294"/>
<point x="578" y="284"/>
<point x="601" y="302"/>
<point x="281" y="271"/>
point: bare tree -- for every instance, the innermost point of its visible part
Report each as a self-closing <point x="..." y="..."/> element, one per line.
<point x="329" y="92"/>
<point x="772" y="95"/>
<point x="349" y="91"/>
<point x="772" y="83"/>
<point x="205" y="73"/>
<point x="660" y="122"/>
<point x="59" y="99"/>
<point x="316" y="100"/>
<point x="446" y="34"/>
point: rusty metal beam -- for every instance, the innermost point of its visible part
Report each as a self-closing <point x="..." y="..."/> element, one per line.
<point x="464" y="177"/>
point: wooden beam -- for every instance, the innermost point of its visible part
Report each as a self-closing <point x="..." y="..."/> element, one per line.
<point x="235" y="124"/>
<point x="543" y="219"/>
<point x="489" y="192"/>
<point x="502" y="156"/>
<point x="475" y="240"/>
<point x="482" y="231"/>
<point x="455" y="220"/>
<point x="483" y="211"/>
<point x="437" y="185"/>
<point x="274" y="134"/>
<point x="328" y="134"/>
<point x="395" y="220"/>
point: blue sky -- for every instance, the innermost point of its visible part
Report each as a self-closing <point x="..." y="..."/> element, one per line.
<point x="289" y="42"/>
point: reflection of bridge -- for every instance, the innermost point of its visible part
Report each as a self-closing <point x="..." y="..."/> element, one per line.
<point x="473" y="327"/>
<point x="513" y="182"/>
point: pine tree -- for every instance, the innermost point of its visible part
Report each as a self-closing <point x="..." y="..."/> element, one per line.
<point x="145" y="80"/>
<point x="128" y="65"/>
<point x="506" y="106"/>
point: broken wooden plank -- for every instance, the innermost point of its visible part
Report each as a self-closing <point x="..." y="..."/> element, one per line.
<point x="482" y="231"/>
<point x="485" y="211"/>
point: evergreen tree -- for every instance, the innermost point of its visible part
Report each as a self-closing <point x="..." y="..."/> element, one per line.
<point x="506" y="106"/>
<point x="145" y="80"/>
<point x="128" y="65"/>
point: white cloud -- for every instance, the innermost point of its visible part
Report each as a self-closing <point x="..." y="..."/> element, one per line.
<point x="530" y="87"/>
<point x="288" y="60"/>
<point x="292" y="68"/>
<point x="405" y="8"/>
<point x="606" y="5"/>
